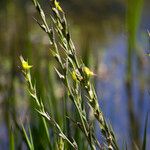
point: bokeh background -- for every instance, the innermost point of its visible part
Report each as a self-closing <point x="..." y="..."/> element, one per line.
<point x="110" y="36"/>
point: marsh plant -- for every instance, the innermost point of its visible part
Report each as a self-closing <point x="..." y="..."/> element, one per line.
<point x="77" y="129"/>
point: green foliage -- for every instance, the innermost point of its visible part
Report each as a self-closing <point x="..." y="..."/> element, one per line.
<point x="29" y="139"/>
<point x="12" y="142"/>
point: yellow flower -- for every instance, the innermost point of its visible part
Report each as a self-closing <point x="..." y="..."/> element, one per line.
<point x="25" y="64"/>
<point x="87" y="71"/>
<point x="74" y="77"/>
<point x="57" y="6"/>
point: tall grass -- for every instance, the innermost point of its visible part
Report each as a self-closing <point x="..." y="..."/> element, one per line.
<point x="76" y="78"/>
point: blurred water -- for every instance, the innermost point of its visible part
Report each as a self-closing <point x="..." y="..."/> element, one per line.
<point x="113" y="96"/>
<point x="4" y="145"/>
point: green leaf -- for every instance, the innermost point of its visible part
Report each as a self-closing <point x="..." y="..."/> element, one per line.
<point x="12" y="143"/>
<point x="29" y="144"/>
<point x="31" y="137"/>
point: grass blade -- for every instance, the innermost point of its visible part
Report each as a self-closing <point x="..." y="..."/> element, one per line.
<point x="12" y="142"/>
<point x="29" y="144"/>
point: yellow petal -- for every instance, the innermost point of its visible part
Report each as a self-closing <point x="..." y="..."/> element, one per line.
<point x="74" y="77"/>
<point x="87" y="71"/>
<point x="25" y="64"/>
<point x="58" y="6"/>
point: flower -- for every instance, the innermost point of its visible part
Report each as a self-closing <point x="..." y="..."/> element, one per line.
<point x="25" y="64"/>
<point x="74" y="77"/>
<point x="87" y="72"/>
<point x="57" y="6"/>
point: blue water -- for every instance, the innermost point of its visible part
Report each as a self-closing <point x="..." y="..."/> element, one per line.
<point x="112" y="91"/>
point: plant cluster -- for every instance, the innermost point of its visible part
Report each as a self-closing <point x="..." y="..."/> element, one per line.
<point x="76" y="77"/>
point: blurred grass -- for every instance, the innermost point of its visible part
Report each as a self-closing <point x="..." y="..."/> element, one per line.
<point x="132" y="21"/>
